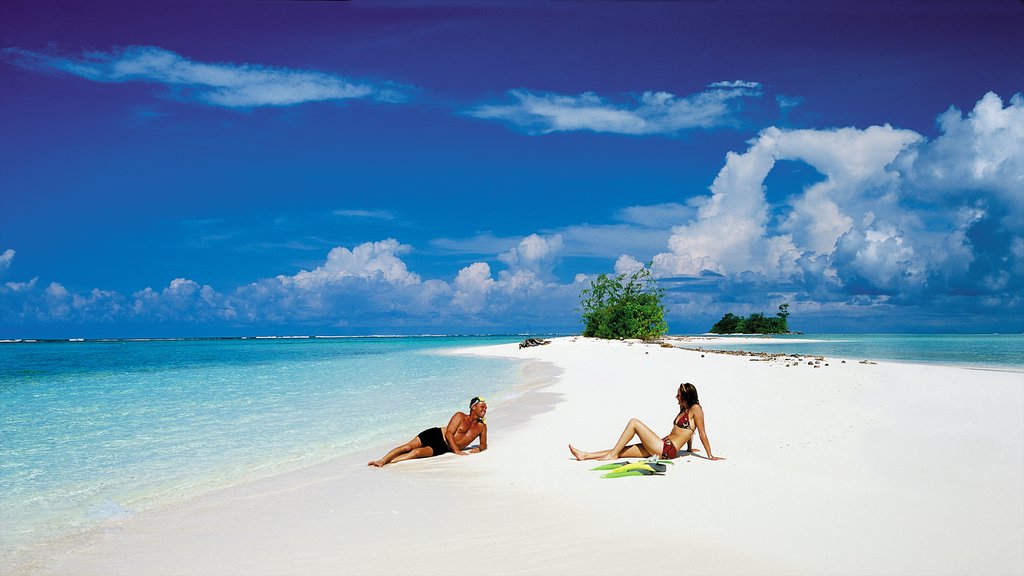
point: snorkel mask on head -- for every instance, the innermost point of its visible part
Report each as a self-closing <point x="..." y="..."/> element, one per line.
<point x="476" y="400"/>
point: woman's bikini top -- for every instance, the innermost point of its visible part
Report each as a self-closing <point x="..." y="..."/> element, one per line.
<point x="684" y="420"/>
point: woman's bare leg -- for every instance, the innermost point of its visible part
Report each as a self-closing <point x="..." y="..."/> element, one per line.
<point x="581" y="455"/>
<point x="650" y="444"/>
<point x="631" y="451"/>
<point x="398" y="450"/>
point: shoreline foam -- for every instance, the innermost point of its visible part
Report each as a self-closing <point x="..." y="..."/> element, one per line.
<point x="855" y="468"/>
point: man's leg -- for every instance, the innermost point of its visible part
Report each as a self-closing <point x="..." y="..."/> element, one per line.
<point x="424" y="452"/>
<point x="395" y="454"/>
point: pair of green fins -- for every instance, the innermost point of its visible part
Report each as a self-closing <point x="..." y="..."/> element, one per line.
<point x="649" y="467"/>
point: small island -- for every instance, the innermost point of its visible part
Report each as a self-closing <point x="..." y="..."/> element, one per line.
<point x="756" y="323"/>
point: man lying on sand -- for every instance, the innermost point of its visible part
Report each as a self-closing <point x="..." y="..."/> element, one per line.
<point x="462" y="429"/>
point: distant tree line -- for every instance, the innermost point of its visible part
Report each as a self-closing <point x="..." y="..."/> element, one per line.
<point x="756" y="323"/>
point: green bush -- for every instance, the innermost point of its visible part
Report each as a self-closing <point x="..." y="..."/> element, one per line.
<point x="623" y="307"/>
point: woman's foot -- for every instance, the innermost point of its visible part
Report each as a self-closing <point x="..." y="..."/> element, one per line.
<point x="578" y="454"/>
<point x="375" y="463"/>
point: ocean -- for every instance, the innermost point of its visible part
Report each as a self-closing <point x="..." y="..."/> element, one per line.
<point x="99" y="430"/>
<point x="992" y="351"/>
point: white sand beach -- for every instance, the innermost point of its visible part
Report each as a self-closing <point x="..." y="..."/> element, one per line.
<point x="848" y="468"/>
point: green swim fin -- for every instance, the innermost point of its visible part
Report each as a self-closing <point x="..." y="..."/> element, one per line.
<point x="623" y="474"/>
<point x="618" y="465"/>
<point x="610" y="466"/>
<point x="641" y="466"/>
<point x="633" y="472"/>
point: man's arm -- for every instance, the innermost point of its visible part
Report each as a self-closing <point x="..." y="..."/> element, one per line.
<point x="483" y="441"/>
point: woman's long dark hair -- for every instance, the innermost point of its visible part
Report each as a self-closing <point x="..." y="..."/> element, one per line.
<point x="689" y="394"/>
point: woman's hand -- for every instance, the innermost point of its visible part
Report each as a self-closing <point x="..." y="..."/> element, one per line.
<point x="716" y="458"/>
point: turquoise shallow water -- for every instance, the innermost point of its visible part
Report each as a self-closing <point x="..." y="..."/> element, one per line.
<point x="98" y="430"/>
<point x="999" y="351"/>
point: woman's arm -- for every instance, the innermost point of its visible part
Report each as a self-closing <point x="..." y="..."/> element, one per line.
<point x="698" y="420"/>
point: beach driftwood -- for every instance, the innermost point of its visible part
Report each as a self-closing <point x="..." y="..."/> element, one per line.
<point x="533" y="342"/>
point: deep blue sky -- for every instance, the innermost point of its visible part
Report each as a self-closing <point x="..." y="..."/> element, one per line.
<point x="222" y="168"/>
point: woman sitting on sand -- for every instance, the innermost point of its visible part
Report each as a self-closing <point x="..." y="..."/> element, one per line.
<point x="691" y="416"/>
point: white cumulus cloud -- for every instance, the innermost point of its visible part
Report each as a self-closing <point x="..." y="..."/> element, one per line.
<point x="472" y="284"/>
<point x="977" y="154"/>
<point x="368" y="261"/>
<point x="535" y="255"/>
<point x="877" y="260"/>
<point x="58" y="302"/>
<point x="732" y="230"/>
<point x="896" y="216"/>
<point x="22" y="286"/>
<point x="182" y="300"/>
<point x="352" y="285"/>
<point x="526" y="288"/>
<point x="626" y="264"/>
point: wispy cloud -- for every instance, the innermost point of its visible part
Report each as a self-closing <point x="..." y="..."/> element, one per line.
<point x="370" y="214"/>
<point x="579" y="241"/>
<point x="736" y="84"/>
<point x="663" y="216"/>
<point x="5" y="260"/>
<point x="649" y="113"/>
<point x="642" y="230"/>
<point x="482" y="243"/>
<point x="228" y="85"/>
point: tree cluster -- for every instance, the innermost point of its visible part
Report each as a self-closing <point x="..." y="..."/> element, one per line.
<point x="756" y="323"/>
<point x="623" y="306"/>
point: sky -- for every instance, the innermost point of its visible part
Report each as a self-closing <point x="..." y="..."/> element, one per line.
<point x="238" y="168"/>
